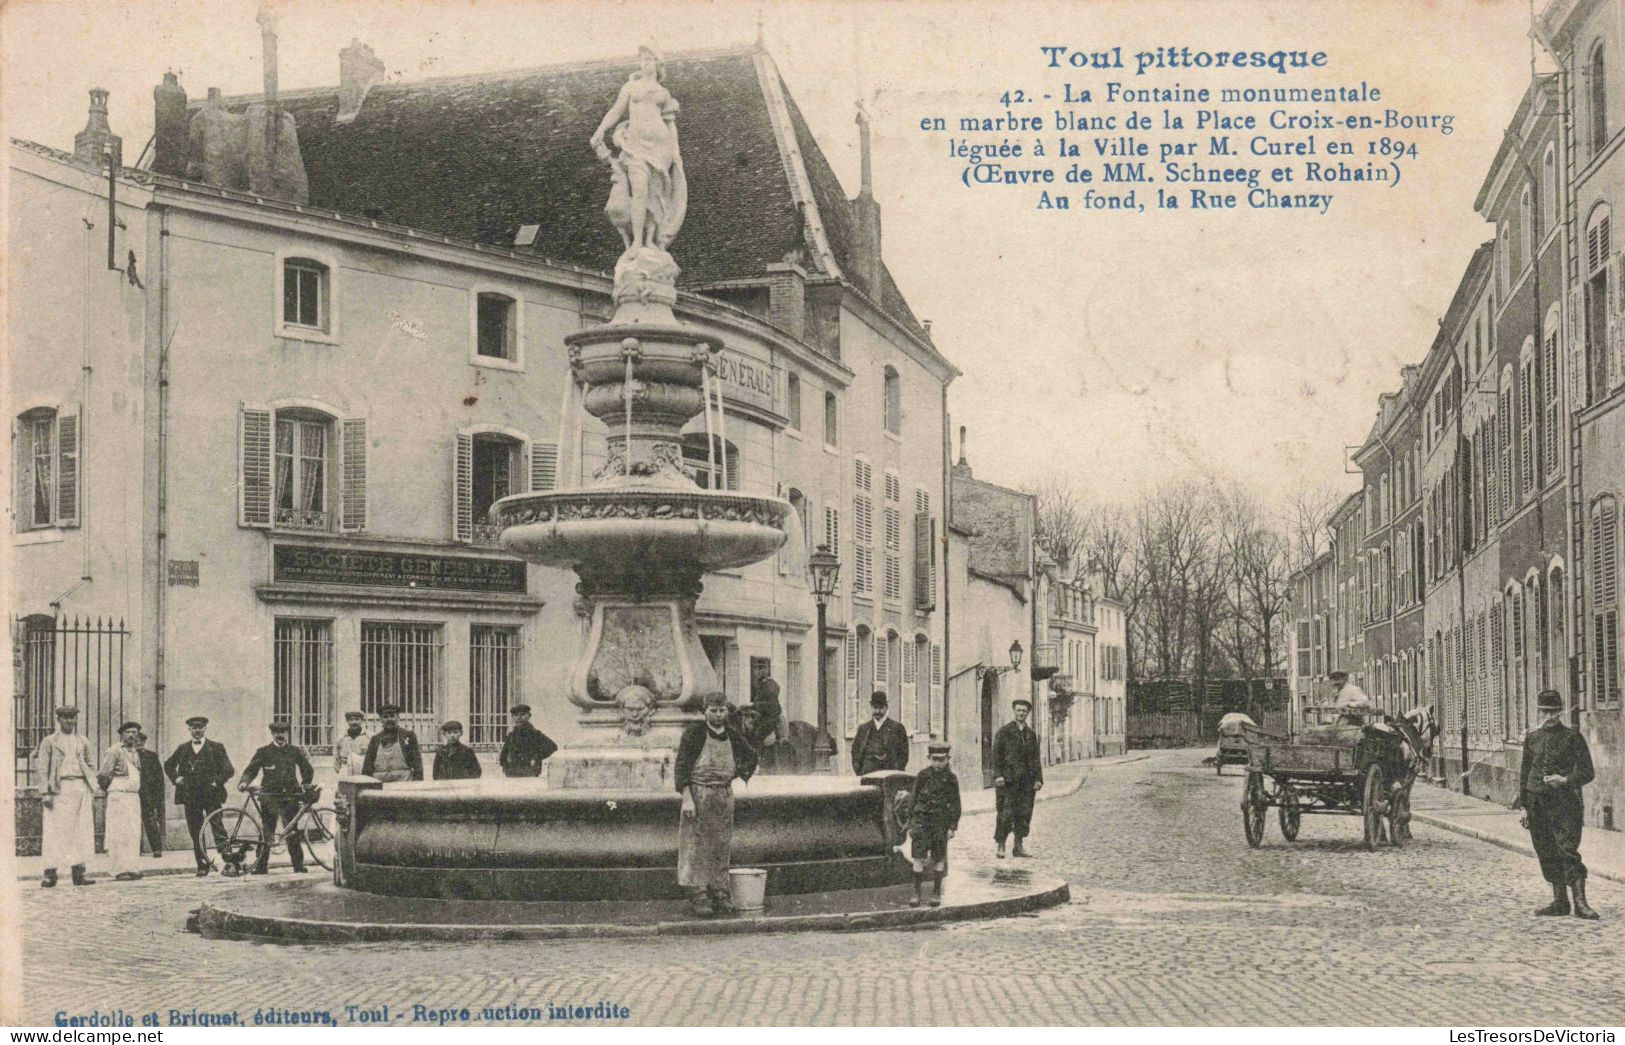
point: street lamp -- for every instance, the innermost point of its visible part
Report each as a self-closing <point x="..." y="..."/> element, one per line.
<point x="1015" y="655"/>
<point x="825" y="567"/>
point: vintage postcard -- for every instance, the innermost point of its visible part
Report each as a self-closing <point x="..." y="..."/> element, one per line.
<point x="922" y="513"/>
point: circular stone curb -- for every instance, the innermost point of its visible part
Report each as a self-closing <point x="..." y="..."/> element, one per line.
<point x="219" y="921"/>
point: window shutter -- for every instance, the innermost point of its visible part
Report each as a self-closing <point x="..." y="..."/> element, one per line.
<point x="462" y="499"/>
<point x="883" y="663"/>
<point x="850" y="723"/>
<point x="832" y="532"/>
<point x="21" y="479"/>
<point x="68" y="484"/>
<point x="937" y="723"/>
<point x="254" y="467"/>
<point x="910" y="709"/>
<point x="1577" y="349"/>
<point x="544" y="467"/>
<point x="925" y="596"/>
<point x="353" y="487"/>
<point x="1616" y="322"/>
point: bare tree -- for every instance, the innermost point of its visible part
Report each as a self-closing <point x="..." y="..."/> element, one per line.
<point x="1063" y="525"/>
<point x="1306" y="523"/>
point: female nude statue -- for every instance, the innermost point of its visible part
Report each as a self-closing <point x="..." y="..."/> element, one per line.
<point x="650" y="194"/>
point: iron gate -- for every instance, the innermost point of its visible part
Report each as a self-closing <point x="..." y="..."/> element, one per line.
<point x="77" y="662"/>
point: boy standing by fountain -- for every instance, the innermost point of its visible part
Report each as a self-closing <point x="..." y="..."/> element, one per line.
<point x="709" y="757"/>
<point x="933" y="817"/>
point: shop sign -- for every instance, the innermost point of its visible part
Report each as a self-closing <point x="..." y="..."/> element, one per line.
<point x="313" y="564"/>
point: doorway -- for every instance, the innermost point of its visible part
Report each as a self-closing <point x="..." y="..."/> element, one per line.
<point x="990" y="698"/>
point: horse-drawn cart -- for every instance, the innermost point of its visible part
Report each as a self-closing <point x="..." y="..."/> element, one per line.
<point x="1354" y="768"/>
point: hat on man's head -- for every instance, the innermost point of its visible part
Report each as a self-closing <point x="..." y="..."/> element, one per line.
<point x="938" y="747"/>
<point x="1549" y="700"/>
<point x="354" y="716"/>
<point x="1021" y="702"/>
<point x="389" y="709"/>
<point x="452" y="726"/>
<point x="519" y="709"/>
<point x="280" y="726"/>
<point x="198" y="720"/>
<point x="67" y="712"/>
<point x="714" y="698"/>
<point x="1339" y="676"/>
<point x="129" y="725"/>
<point x="878" y="699"/>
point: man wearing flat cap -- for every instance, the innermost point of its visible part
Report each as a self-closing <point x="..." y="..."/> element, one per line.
<point x="199" y="769"/>
<point x="67" y="786"/>
<point x="120" y="777"/>
<point x="1556" y="765"/>
<point x="285" y="772"/>
<point x="1018" y="774"/>
<point x="1345" y="694"/>
<point x="710" y="756"/>
<point x="880" y="743"/>
<point x="393" y="754"/>
<point x="455" y="760"/>
<point x="526" y="747"/>
<point x="933" y="817"/>
<point x="350" y="753"/>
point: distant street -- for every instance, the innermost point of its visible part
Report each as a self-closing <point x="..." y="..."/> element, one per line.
<point x="1174" y="920"/>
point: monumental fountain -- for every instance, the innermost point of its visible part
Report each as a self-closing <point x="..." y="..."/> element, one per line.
<point x="599" y="829"/>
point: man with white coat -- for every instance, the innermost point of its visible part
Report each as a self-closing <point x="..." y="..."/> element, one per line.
<point x="67" y="786"/>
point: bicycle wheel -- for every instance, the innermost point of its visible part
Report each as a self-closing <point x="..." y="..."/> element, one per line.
<point x="318" y="829"/>
<point x="236" y="839"/>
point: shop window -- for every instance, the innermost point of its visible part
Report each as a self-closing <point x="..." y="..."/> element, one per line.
<point x="302" y="679"/>
<point x="401" y="663"/>
<point x="493" y="681"/>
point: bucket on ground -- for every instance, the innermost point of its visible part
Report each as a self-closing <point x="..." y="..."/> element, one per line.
<point x="747" y="887"/>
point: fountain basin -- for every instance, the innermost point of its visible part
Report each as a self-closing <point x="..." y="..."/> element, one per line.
<point x="642" y="529"/>
<point x="519" y="840"/>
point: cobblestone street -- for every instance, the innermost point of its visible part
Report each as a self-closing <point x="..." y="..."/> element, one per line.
<point x="1174" y="920"/>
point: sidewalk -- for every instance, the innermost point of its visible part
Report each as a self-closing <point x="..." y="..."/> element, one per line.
<point x="1603" y="851"/>
<point x="1059" y="781"/>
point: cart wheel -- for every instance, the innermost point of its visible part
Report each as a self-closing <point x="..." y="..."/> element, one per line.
<point x="1291" y="815"/>
<point x="318" y="829"/>
<point x="235" y="838"/>
<point x="1373" y="806"/>
<point x="1253" y="807"/>
<point x="1399" y="817"/>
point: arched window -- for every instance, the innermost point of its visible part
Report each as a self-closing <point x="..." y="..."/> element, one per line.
<point x="923" y="722"/>
<point x="1597" y="94"/>
<point x="832" y="421"/>
<point x="1548" y="190"/>
<point x="1503" y="250"/>
<point x="893" y="405"/>
<point x="1526" y="228"/>
<point x="1526" y="419"/>
<point x="1549" y="385"/>
<point x="1557" y="643"/>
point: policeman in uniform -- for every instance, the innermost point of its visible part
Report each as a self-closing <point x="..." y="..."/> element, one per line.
<point x="286" y="772"/>
<point x="526" y="746"/>
<point x="1556" y="765"/>
<point x="1018" y="774"/>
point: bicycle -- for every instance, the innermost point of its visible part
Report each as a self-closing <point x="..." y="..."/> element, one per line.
<point x="237" y="836"/>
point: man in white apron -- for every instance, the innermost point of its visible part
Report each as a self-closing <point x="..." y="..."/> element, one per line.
<point x="68" y="783"/>
<point x="710" y="756"/>
<point x="120" y="775"/>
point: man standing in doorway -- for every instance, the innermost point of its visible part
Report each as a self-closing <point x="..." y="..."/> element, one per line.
<point x="152" y="798"/>
<point x="880" y="743"/>
<point x="68" y="783"/>
<point x="199" y="769"/>
<point x="393" y="755"/>
<point x="286" y="773"/>
<point x="526" y="747"/>
<point x="1556" y="765"/>
<point x="120" y="777"/>
<point x="1018" y="775"/>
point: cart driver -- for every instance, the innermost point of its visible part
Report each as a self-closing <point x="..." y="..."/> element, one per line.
<point x="1349" y="697"/>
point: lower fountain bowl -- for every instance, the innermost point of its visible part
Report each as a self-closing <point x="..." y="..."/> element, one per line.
<point x="518" y="840"/>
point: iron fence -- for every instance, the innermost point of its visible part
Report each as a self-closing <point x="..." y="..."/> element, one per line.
<point x="79" y="662"/>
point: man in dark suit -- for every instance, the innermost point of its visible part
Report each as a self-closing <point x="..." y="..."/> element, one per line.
<point x="526" y="747"/>
<point x="199" y="769"/>
<point x="880" y="743"/>
<point x="152" y="797"/>
<point x="393" y="753"/>
<point x="455" y="760"/>
<point x="285" y="773"/>
<point x="1018" y="775"/>
<point x="1556" y="765"/>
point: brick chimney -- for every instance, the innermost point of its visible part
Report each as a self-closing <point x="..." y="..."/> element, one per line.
<point x="868" y="215"/>
<point x="97" y="139"/>
<point x="961" y="469"/>
<point x="169" y="127"/>
<point x="359" y="70"/>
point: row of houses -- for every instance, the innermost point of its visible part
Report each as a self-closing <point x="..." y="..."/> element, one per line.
<point x="267" y="381"/>
<point x="1478" y="562"/>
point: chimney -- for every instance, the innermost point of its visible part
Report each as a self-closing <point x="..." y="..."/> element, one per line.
<point x="97" y="139"/>
<point x="169" y="127"/>
<point x="926" y="323"/>
<point x="267" y="21"/>
<point x="359" y="69"/>
<point x="868" y="215"/>
<point x="961" y="469"/>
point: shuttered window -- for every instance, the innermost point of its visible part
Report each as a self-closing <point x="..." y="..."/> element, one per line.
<point x="46" y="455"/>
<point x="893" y="516"/>
<point x="1605" y="540"/>
<point x="863" y="523"/>
<point x="287" y="461"/>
